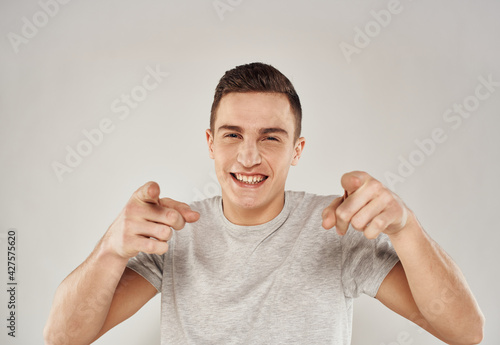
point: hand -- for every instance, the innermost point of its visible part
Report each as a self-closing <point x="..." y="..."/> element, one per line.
<point x="369" y="207"/>
<point x="146" y="222"/>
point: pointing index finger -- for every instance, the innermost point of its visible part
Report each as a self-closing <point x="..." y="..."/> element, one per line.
<point x="187" y="213"/>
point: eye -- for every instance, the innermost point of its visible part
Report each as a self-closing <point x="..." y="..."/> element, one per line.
<point x="271" y="138"/>
<point x="231" y="135"/>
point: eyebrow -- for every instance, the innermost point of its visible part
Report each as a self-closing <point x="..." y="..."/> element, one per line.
<point x="262" y="131"/>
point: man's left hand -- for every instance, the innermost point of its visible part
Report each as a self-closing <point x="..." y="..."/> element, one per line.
<point x="369" y="207"/>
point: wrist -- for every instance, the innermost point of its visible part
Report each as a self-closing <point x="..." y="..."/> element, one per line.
<point x="411" y="227"/>
<point x="105" y="253"/>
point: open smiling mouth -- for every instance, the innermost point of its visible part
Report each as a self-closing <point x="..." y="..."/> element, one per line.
<point x="249" y="179"/>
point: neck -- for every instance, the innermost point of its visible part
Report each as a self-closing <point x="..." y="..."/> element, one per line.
<point x="252" y="216"/>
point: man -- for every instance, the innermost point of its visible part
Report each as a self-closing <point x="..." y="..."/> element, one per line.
<point x="256" y="264"/>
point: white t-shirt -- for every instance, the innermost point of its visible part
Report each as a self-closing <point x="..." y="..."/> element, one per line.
<point x="288" y="281"/>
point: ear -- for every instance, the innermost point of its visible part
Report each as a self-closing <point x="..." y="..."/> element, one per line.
<point x="210" y="143"/>
<point x="299" y="146"/>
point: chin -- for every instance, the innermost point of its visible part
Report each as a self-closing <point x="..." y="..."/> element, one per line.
<point x="246" y="202"/>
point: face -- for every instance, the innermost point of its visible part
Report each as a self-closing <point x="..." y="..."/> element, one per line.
<point x="253" y="147"/>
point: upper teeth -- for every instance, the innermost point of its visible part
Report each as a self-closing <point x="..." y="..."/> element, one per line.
<point x="249" y="179"/>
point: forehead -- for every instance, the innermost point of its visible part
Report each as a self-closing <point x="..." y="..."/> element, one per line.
<point x="255" y="110"/>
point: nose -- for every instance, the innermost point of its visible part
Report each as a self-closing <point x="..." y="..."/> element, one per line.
<point x="249" y="155"/>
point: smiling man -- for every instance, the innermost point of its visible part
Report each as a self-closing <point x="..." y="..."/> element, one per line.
<point x="253" y="144"/>
<point x="256" y="265"/>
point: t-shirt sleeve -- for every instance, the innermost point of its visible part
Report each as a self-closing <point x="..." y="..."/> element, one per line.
<point x="149" y="266"/>
<point x="365" y="262"/>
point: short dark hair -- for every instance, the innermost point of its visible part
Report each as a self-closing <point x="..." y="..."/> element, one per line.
<point x="257" y="77"/>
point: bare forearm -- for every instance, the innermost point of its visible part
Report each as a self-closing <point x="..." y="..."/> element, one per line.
<point x="438" y="286"/>
<point x="83" y="299"/>
<point x="88" y="302"/>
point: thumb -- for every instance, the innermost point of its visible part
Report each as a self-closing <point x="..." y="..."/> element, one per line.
<point x="351" y="181"/>
<point x="148" y="193"/>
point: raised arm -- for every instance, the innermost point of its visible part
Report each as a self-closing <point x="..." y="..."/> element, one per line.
<point x="102" y="292"/>
<point x="426" y="274"/>
<point x="438" y="297"/>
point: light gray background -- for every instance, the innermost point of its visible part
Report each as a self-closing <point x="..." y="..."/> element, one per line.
<point x="361" y="115"/>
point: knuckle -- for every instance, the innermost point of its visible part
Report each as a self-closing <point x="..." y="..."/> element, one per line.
<point x="150" y="246"/>
<point x="378" y="223"/>
<point x="171" y="216"/>
<point x="386" y="196"/>
<point x="158" y="247"/>
<point x="130" y="209"/>
<point x="342" y="214"/>
<point x="392" y="204"/>
<point x="358" y="223"/>
<point x="376" y="185"/>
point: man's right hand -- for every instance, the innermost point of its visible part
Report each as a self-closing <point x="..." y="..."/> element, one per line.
<point x="146" y="222"/>
<point x="88" y="302"/>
